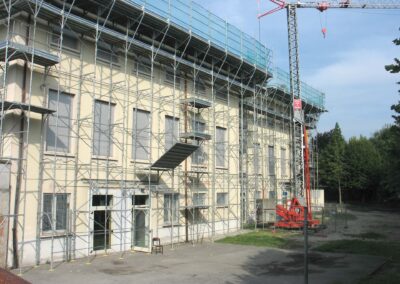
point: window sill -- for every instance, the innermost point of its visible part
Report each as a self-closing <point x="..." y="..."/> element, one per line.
<point x="59" y="154"/>
<point x="104" y="158"/>
<point x="58" y="234"/>
<point x="64" y="48"/>
<point x="167" y="225"/>
<point x="222" y="206"/>
<point x="222" y="168"/>
<point x="144" y="162"/>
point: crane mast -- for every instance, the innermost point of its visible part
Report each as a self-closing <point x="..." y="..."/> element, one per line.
<point x="299" y="188"/>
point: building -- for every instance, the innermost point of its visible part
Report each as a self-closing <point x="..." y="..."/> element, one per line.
<point x="127" y="120"/>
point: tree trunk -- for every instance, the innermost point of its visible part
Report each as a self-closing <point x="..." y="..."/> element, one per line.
<point x="340" y="193"/>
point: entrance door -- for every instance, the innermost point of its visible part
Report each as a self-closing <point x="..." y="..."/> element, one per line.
<point x="141" y="230"/>
<point x="101" y="229"/>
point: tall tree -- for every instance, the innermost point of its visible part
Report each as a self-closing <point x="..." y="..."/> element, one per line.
<point x="395" y="68"/>
<point x="362" y="168"/>
<point x="331" y="161"/>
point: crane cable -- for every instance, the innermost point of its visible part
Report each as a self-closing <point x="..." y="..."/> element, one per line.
<point x="323" y="22"/>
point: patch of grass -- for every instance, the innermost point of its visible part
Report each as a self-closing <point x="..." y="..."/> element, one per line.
<point x="377" y="248"/>
<point x="368" y="235"/>
<point x="261" y="239"/>
<point x="343" y="216"/>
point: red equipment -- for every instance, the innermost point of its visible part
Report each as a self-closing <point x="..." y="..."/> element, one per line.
<point x="294" y="216"/>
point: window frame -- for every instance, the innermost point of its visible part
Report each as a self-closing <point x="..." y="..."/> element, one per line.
<point x="135" y="142"/>
<point x="55" y="40"/>
<point x="225" y="199"/>
<point x="220" y="146"/>
<point x="283" y="162"/>
<point x="54" y="207"/>
<point x="174" y="136"/>
<point x="172" y="209"/>
<point x="110" y="106"/>
<point x="56" y="117"/>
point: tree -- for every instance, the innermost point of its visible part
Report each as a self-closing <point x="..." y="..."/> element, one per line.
<point x="387" y="145"/>
<point x="331" y="160"/>
<point x="395" y="68"/>
<point x="362" y="168"/>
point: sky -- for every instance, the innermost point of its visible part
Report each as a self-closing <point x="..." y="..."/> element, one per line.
<point x="347" y="65"/>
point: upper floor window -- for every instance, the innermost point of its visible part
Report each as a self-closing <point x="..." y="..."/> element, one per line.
<point x="143" y="67"/>
<point x="271" y="160"/>
<point x="107" y="53"/>
<point x="172" y="77"/>
<point x="69" y="39"/>
<point x="283" y="162"/>
<point x="103" y="128"/>
<point x="171" y="131"/>
<point x="141" y="134"/>
<point x="58" y="133"/>
<point x="220" y="146"/>
<point x="200" y="87"/>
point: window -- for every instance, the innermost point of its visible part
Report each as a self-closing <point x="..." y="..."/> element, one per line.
<point x="256" y="159"/>
<point x="171" y="208"/>
<point x="101" y="200"/>
<point x="199" y="199"/>
<point x="103" y="128"/>
<point x="140" y="200"/>
<point x="169" y="77"/>
<point x="222" y="198"/>
<point x="141" y="134"/>
<point x="220" y="148"/>
<point x="55" y="210"/>
<point x="200" y="88"/>
<point x="171" y="131"/>
<point x="69" y="41"/>
<point x="283" y="162"/>
<point x="143" y="67"/>
<point x="107" y="53"/>
<point x="222" y="94"/>
<point x="59" y="123"/>
<point x="271" y="160"/>
<point x="199" y="156"/>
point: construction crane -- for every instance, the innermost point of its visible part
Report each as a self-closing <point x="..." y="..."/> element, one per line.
<point x="293" y="217"/>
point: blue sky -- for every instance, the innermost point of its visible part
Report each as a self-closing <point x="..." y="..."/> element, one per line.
<point x="348" y="65"/>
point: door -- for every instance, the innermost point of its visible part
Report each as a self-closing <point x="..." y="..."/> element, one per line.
<point x="141" y="233"/>
<point x="101" y="229"/>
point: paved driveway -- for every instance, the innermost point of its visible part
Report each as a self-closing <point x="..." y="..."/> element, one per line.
<point x="209" y="263"/>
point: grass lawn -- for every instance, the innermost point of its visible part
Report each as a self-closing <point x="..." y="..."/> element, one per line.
<point x="389" y="274"/>
<point x="262" y="239"/>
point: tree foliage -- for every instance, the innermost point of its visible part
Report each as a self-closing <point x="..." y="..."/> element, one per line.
<point x="362" y="168"/>
<point x="331" y="157"/>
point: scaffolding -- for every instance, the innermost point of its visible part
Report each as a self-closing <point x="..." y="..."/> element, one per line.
<point x="125" y="120"/>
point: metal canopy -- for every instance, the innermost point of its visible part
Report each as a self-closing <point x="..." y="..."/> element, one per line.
<point x="197" y="103"/>
<point x="20" y="51"/>
<point x="174" y="156"/>
<point x="23" y="106"/>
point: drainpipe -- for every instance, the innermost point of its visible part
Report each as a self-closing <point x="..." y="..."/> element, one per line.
<point x="20" y="159"/>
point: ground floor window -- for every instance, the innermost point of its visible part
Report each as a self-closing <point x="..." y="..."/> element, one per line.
<point x="171" y="208"/>
<point x="55" y="210"/>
